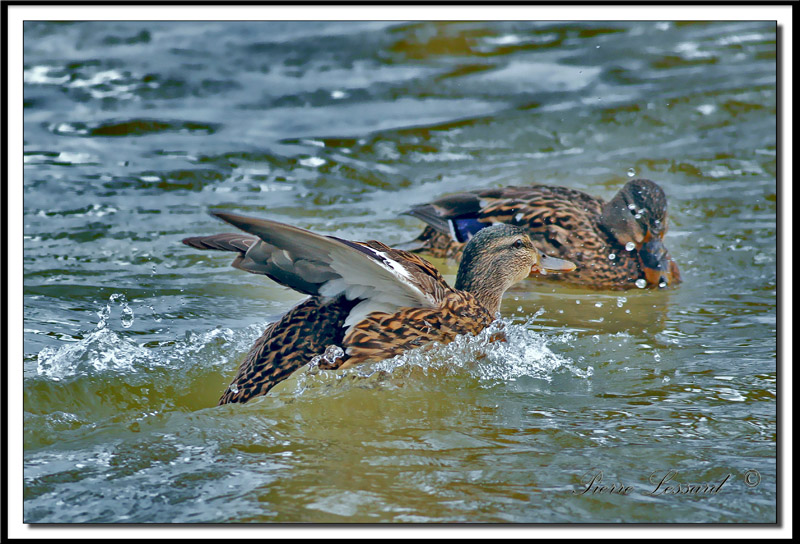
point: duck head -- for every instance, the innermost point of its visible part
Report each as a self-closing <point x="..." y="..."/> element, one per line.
<point x="638" y="215"/>
<point x="499" y="256"/>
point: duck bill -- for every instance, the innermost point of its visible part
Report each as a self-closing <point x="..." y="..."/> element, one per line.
<point x="659" y="268"/>
<point x="551" y="265"/>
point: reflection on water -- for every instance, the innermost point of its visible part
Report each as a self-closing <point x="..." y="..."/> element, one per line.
<point x="134" y="130"/>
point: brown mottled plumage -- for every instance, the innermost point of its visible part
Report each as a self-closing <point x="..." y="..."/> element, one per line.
<point x="566" y="223"/>
<point x="373" y="301"/>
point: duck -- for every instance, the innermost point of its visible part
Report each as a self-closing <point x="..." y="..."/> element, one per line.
<point x="615" y="245"/>
<point x="367" y="301"/>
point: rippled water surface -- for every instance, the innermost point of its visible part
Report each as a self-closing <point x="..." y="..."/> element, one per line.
<point x="134" y="130"/>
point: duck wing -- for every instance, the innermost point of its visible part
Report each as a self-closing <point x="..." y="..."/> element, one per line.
<point x="461" y="215"/>
<point x="229" y="241"/>
<point x="384" y="279"/>
<point x="560" y="221"/>
<point x="441" y="213"/>
<point x="556" y="217"/>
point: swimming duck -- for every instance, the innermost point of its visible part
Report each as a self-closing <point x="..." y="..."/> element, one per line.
<point x="372" y="301"/>
<point x="616" y="244"/>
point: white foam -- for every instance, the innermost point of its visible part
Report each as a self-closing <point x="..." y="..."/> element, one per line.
<point x="525" y="354"/>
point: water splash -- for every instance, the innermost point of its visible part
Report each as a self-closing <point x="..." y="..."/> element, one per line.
<point x="102" y="350"/>
<point x="127" y="316"/>
<point x="106" y="350"/>
<point x="481" y="360"/>
<point x="331" y="355"/>
<point x="127" y="313"/>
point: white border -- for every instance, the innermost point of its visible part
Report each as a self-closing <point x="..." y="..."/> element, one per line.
<point x="17" y="14"/>
<point x="325" y="11"/>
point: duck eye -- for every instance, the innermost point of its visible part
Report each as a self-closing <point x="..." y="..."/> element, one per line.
<point x="518" y="244"/>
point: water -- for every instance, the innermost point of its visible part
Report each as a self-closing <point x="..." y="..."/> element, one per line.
<point x="134" y="130"/>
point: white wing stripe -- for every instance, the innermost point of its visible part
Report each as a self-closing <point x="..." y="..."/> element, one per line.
<point x="390" y="278"/>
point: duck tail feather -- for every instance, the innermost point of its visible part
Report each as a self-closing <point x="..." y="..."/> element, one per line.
<point x="221" y="242"/>
<point x="431" y="216"/>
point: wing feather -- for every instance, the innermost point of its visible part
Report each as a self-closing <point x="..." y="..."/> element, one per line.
<point x="328" y="266"/>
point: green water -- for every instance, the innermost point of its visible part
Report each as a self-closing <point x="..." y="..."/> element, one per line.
<point x="134" y="130"/>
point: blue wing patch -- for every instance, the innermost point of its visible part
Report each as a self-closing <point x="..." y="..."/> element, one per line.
<point x="465" y="228"/>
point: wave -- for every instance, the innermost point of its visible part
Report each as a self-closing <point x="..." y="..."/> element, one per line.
<point x="109" y="370"/>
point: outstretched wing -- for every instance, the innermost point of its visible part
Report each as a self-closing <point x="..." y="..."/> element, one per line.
<point x="228" y="241"/>
<point x="382" y="278"/>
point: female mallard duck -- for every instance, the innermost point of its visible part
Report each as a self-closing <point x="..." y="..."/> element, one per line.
<point x="614" y="244"/>
<point x="373" y="301"/>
